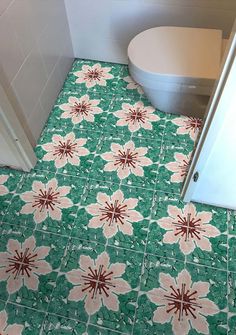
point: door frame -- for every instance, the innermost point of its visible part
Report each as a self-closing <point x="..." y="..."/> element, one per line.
<point x="212" y="122"/>
<point x="14" y="135"/>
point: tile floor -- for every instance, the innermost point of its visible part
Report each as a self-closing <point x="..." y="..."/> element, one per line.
<point x="96" y="240"/>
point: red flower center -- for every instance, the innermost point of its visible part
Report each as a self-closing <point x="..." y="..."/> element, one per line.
<point x="188" y="227"/>
<point x="183" y="302"/>
<point x="126" y="158"/>
<point x="136" y="115"/>
<point x="21" y="263"/>
<point x="98" y="281"/>
<point x="193" y="123"/>
<point x="184" y="166"/>
<point x="81" y="108"/>
<point x="65" y="149"/>
<point x="93" y="75"/>
<point x="114" y="212"/>
<point x="46" y="199"/>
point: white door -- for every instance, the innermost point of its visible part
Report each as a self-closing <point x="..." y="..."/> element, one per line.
<point x="15" y="148"/>
<point x="212" y="174"/>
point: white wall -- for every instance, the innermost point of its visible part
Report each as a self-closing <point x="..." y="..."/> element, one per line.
<point x="102" y="29"/>
<point x="35" y="55"/>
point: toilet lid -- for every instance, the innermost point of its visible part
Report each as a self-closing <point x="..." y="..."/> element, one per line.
<point x="177" y="51"/>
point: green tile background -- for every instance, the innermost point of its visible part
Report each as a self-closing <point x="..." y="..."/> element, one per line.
<point x="48" y="310"/>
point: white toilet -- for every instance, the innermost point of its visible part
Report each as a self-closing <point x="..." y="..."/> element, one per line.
<point x="176" y="67"/>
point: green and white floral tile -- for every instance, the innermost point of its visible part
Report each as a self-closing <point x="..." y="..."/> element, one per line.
<point x="182" y="129"/>
<point x="117" y="68"/>
<point x="48" y="201"/>
<point x="232" y="222"/>
<point x="187" y="298"/>
<point x="78" y="247"/>
<point x="114" y="215"/>
<point x="131" y="260"/>
<point x="7" y="232"/>
<point x="145" y="325"/>
<point x="80" y="109"/>
<point x="94" y="330"/>
<point x="93" y="76"/>
<point x="217" y="282"/>
<point x="81" y="227"/>
<point x="173" y="168"/>
<point x="139" y="216"/>
<point x="121" y="320"/>
<point x="2" y="304"/>
<point x="133" y="162"/>
<point x="28" y="261"/>
<point x="137" y="117"/>
<point x="55" y="324"/>
<point x="192" y="231"/>
<point x="66" y="152"/>
<point x="232" y="292"/>
<point x="37" y="299"/>
<point x="153" y="265"/>
<point x="232" y="253"/>
<point x="20" y="320"/>
<point x="97" y="282"/>
<point x="57" y="246"/>
<point x="9" y="180"/>
<point x="127" y="86"/>
<point x="232" y="325"/>
<point x="61" y="305"/>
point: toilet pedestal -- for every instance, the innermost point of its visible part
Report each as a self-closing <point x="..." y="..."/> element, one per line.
<point x="176" y="67"/>
<point x="178" y="102"/>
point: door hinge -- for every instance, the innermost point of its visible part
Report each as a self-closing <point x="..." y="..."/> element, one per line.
<point x="195" y="177"/>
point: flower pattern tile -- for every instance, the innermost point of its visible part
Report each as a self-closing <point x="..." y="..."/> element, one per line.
<point x="127" y="86"/>
<point x="67" y="152"/>
<point x="174" y="165"/>
<point x="182" y="129"/>
<point x="9" y="180"/>
<point x="137" y="117"/>
<point x="63" y="226"/>
<point x="96" y="240"/>
<point x="55" y="324"/>
<point x="183" y="231"/>
<point x="93" y="77"/>
<point x="75" y="115"/>
<point x="30" y="319"/>
<point x="132" y="162"/>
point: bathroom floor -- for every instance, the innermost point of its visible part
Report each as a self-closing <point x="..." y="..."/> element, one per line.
<point x="96" y="240"/>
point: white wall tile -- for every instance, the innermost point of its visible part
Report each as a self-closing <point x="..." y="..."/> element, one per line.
<point x="30" y="81"/>
<point x="19" y="14"/>
<point x="49" y="46"/>
<point x="35" y="54"/>
<point x="3" y="5"/>
<point x="10" y="52"/>
<point x="37" y="120"/>
<point x="51" y="89"/>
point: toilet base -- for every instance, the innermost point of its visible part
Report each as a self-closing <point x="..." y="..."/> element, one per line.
<point x="178" y="103"/>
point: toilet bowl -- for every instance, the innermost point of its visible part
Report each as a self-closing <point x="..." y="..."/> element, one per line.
<point x="176" y="67"/>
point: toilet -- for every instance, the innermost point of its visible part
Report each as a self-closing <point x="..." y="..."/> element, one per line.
<point x="177" y="67"/>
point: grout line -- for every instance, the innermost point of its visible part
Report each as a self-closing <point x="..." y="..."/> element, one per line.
<point x="62" y="316"/>
<point x="227" y="283"/>
<point x="145" y="250"/>
<point x="127" y="249"/>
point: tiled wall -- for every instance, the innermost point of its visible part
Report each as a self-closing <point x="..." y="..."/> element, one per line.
<point x="104" y="32"/>
<point x="35" y="56"/>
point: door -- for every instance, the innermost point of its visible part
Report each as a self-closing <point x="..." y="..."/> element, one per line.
<point x="212" y="174"/>
<point x="15" y="148"/>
